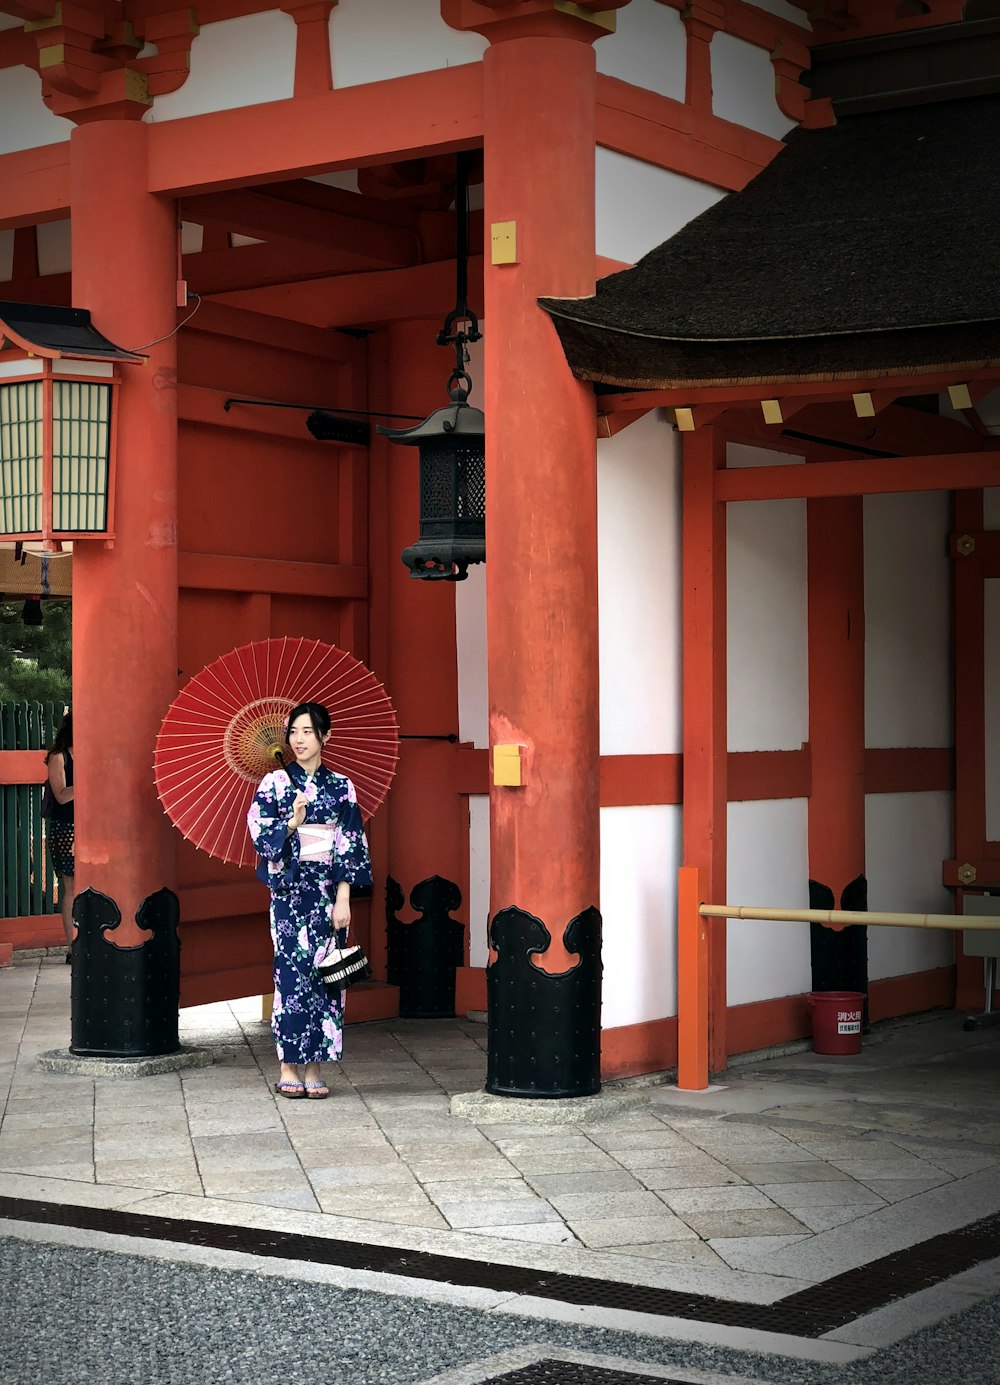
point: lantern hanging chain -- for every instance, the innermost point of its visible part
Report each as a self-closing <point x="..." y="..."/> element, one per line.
<point x="461" y="326"/>
<point x="136" y="351"/>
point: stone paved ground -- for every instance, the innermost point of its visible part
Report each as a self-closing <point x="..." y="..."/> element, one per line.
<point x="799" y="1168"/>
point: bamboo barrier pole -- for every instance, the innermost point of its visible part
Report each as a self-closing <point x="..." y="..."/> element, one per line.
<point x="692" y="990"/>
<point x="978" y="922"/>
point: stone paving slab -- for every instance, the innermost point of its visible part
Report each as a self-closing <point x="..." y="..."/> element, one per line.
<point x="758" y="1186"/>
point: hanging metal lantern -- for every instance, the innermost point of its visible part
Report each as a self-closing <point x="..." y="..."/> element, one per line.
<point x="452" y="440"/>
<point x="452" y="487"/>
<point x="58" y="378"/>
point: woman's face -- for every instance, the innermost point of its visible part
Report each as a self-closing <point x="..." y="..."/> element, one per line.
<point x="302" y="737"/>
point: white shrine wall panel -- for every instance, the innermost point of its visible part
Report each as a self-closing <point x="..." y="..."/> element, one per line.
<point x="639" y="589"/>
<point x="639" y="206"/>
<point x="907" y="836"/>
<point x="237" y="62"/>
<point x="371" y="40"/>
<point x="767" y="620"/>
<point x="6" y="256"/>
<point x="477" y="907"/>
<point x="640" y="854"/>
<point x="648" y="49"/>
<point x="991" y="508"/>
<point x="908" y="673"/>
<point x="470" y="631"/>
<point x="24" y="121"/>
<point x="991" y="632"/>
<point x="54" y="252"/>
<point x="470" y="596"/>
<point x="743" y="86"/>
<point x="767" y="866"/>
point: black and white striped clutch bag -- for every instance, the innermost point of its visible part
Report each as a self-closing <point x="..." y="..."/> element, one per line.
<point x="342" y="966"/>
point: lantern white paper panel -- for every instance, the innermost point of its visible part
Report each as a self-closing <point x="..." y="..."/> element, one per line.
<point x="81" y="436"/>
<point x="237" y="62"/>
<point x="640" y="854"/>
<point x="908" y="674"/>
<point x="907" y="836"/>
<point x="20" y="457"/>
<point x="648" y="48"/>
<point x="639" y="589"/>
<point x="371" y="40"/>
<point x="638" y="206"/>
<point x="768" y="866"/>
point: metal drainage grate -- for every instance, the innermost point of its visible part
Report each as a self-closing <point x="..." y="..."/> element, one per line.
<point x="809" y="1313"/>
<point x="572" y="1373"/>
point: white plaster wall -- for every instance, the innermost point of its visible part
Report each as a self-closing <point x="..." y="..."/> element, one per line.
<point x="639" y="589"/>
<point x="478" y="903"/>
<point x="6" y="256"/>
<point x="767" y="638"/>
<point x="991" y="631"/>
<point x="640" y="854"/>
<point x="907" y="836"/>
<point x="991" y="508"/>
<point x="908" y="678"/>
<point x="24" y="121"/>
<point x="743" y="86"/>
<point x="638" y="206"/>
<point x="648" y="48"/>
<point x="238" y="62"/>
<point x="53" y="239"/>
<point x="371" y="40"/>
<point x="767" y="857"/>
<point x="470" y="630"/>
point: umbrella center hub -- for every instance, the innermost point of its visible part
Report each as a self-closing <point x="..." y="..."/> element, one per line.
<point x="253" y="743"/>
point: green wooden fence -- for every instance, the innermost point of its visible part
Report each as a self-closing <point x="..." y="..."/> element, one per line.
<point x="26" y="881"/>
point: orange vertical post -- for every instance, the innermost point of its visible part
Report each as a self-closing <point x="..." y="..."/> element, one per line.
<point x="692" y="983"/>
<point x="704" y="695"/>
<point x="125" y="595"/>
<point x="835" y="604"/>
<point x="539" y="93"/>
<point x="836" y="613"/>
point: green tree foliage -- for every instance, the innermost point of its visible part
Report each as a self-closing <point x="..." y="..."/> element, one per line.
<point x="35" y="659"/>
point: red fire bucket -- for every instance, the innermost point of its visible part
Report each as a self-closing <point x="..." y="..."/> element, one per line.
<point x="836" y="1021"/>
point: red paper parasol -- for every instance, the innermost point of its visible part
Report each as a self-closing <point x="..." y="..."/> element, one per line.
<point x="225" y="730"/>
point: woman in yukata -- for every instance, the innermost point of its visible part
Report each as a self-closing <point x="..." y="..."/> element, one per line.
<point x="306" y="826"/>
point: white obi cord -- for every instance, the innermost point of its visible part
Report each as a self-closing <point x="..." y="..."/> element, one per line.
<point x="316" y="842"/>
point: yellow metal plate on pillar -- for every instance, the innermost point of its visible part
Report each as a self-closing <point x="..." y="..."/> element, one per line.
<point x="507" y="766"/>
<point x="503" y="242"/>
<point x="684" y="418"/>
<point x="960" y="396"/>
<point x="771" y="409"/>
<point x="864" y="405"/>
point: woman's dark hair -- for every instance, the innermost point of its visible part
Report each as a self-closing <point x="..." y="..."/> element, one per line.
<point x="319" y="718"/>
<point x="64" y="738"/>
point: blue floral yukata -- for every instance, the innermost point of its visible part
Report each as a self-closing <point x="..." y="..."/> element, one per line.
<point x="308" y="1016"/>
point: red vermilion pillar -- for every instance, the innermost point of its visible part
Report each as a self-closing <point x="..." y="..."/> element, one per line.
<point x="539" y="106"/>
<point x="541" y="482"/>
<point x="125" y="595"/>
<point x="836" y="613"/>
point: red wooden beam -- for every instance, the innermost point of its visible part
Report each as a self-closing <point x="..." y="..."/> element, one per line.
<point x="873" y="476"/>
<point x="685" y="396"/>
<point x="270" y="218"/>
<point x="405" y="118"/>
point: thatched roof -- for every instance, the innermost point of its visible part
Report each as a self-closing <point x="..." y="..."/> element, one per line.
<point x="865" y="249"/>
